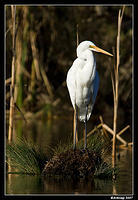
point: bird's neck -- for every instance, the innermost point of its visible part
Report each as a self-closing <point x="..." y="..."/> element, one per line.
<point x="87" y="55"/>
<point x="89" y="59"/>
<point x="88" y="68"/>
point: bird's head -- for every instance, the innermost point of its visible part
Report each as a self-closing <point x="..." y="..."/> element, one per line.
<point x="85" y="45"/>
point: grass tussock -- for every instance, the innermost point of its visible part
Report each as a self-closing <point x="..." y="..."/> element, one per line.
<point x="72" y="163"/>
<point x="61" y="147"/>
<point x="64" y="159"/>
<point x="104" y="170"/>
<point x="24" y="157"/>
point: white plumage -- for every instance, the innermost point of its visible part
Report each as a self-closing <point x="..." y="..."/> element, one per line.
<point x="83" y="80"/>
<point x="83" y="83"/>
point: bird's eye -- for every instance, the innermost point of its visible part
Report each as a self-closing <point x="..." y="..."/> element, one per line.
<point x="85" y="59"/>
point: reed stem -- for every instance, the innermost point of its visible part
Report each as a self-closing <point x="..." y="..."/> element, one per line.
<point x="13" y="12"/>
<point x="115" y="88"/>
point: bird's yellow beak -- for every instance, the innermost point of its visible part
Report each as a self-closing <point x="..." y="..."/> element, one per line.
<point x="100" y="50"/>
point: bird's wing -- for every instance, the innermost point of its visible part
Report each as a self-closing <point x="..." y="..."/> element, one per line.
<point x="92" y="94"/>
<point x="71" y="83"/>
<point x="71" y="87"/>
<point x="71" y="80"/>
<point x="95" y="87"/>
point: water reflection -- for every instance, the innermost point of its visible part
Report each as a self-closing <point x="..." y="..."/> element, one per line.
<point x="124" y="181"/>
<point x="68" y="186"/>
<point x="114" y="189"/>
<point x="49" y="133"/>
<point x="24" y="184"/>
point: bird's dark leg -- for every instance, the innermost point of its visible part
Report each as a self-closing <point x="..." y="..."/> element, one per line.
<point x="75" y="134"/>
<point x="85" y="137"/>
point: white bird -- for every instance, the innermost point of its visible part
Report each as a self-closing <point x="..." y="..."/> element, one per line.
<point x="83" y="83"/>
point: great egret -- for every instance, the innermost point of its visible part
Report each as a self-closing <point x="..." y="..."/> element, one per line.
<point x="83" y="83"/>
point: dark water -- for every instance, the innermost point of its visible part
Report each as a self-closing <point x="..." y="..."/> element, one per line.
<point x="50" y="133"/>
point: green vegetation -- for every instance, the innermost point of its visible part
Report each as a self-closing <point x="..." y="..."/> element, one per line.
<point x="104" y="170"/>
<point x="24" y="157"/>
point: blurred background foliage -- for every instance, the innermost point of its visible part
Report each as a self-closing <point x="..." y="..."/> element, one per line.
<point x="46" y="48"/>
